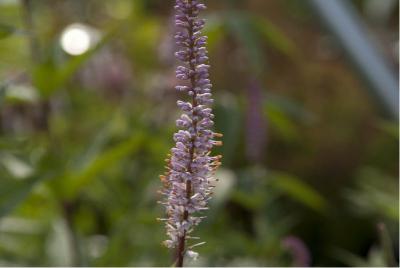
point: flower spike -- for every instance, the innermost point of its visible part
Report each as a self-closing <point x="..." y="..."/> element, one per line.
<point x="189" y="178"/>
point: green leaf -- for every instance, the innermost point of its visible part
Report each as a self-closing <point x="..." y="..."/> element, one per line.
<point x="299" y="190"/>
<point x="74" y="182"/>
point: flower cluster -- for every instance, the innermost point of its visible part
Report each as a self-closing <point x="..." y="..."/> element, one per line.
<point x="190" y="170"/>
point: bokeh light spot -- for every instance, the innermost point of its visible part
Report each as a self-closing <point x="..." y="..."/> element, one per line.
<point x="76" y="39"/>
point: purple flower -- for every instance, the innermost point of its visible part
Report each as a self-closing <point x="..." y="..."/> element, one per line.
<point x="299" y="251"/>
<point x="189" y="178"/>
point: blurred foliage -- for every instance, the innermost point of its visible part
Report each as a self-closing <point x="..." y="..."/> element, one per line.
<point x="83" y="138"/>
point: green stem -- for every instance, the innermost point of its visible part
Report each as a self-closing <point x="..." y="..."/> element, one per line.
<point x="68" y="212"/>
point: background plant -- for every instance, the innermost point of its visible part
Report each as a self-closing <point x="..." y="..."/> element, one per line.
<point x="82" y="136"/>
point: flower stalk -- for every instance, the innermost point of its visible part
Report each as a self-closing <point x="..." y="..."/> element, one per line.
<point x="189" y="178"/>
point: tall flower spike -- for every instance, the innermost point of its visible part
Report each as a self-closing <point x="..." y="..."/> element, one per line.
<point x="189" y="178"/>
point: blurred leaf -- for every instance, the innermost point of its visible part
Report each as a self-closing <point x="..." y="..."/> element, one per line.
<point x="249" y="30"/>
<point x="13" y="192"/>
<point x="280" y="122"/>
<point x="3" y="88"/>
<point x="375" y="258"/>
<point x="20" y="94"/>
<point x="75" y="182"/>
<point x="250" y="189"/>
<point x="145" y="40"/>
<point x="349" y="258"/>
<point x="19" y="225"/>
<point x="389" y="127"/>
<point x="47" y="77"/>
<point x="290" y="108"/>
<point x="240" y="26"/>
<point x="16" y="166"/>
<point x="249" y="201"/>
<point x="94" y="149"/>
<point x="228" y="120"/>
<point x="272" y="35"/>
<point x="6" y="30"/>
<point x="58" y="244"/>
<point x="226" y="182"/>
<point x="298" y="190"/>
<point x="386" y="244"/>
<point x="214" y="29"/>
<point x="375" y="193"/>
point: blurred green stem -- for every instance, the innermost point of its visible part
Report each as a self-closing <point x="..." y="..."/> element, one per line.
<point x="386" y="245"/>
<point x="27" y="14"/>
<point x="30" y="28"/>
<point x="68" y="212"/>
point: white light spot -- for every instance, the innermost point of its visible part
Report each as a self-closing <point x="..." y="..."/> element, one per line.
<point x="77" y="38"/>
